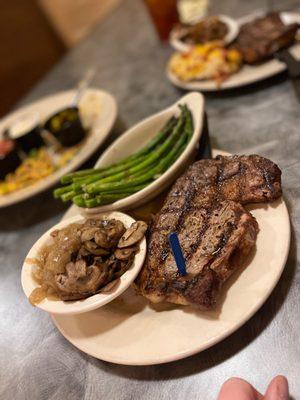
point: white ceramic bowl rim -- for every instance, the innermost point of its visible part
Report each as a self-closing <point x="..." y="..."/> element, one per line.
<point x="195" y="101"/>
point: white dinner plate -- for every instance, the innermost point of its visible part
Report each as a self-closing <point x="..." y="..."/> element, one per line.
<point x="131" y="331"/>
<point x="46" y="106"/>
<point x="248" y="73"/>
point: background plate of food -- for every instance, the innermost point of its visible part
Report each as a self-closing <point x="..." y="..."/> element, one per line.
<point x="133" y="331"/>
<point x="46" y="139"/>
<point x="249" y="59"/>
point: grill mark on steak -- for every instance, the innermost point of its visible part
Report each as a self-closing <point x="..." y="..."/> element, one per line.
<point x="242" y="177"/>
<point x="206" y="211"/>
<point x="220" y="171"/>
<point x="199" y="239"/>
<point x="222" y="233"/>
<point x="214" y="230"/>
<point x="182" y="213"/>
<point x="266" y="176"/>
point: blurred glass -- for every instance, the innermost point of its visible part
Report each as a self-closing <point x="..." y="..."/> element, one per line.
<point x="164" y="15"/>
<point x="191" y="11"/>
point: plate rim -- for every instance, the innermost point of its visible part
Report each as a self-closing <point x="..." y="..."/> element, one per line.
<point x="37" y="188"/>
<point x="209" y="343"/>
<point x="214" y="340"/>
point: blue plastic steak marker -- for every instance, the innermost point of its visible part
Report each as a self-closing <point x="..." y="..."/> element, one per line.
<point x="177" y="253"/>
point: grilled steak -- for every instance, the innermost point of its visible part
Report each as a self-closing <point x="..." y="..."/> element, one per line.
<point x="214" y="230"/>
<point x="261" y="38"/>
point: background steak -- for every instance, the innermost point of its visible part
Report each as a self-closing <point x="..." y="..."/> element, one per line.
<point x="261" y="38"/>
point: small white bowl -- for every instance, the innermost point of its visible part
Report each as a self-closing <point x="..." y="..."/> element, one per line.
<point x="137" y="137"/>
<point x="92" y="302"/>
<point x="177" y="33"/>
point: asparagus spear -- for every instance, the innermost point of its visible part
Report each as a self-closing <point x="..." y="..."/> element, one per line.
<point x="82" y="199"/>
<point x="62" y="190"/>
<point x="78" y="182"/>
<point x="150" y="174"/>
<point x="151" y="159"/>
<point x="105" y="198"/>
<point x="91" y="175"/>
<point x="68" y="196"/>
<point x="135" y="173"/>
<point x="189" y="126"/>
<point x="130" y="190"/>
<point x="79" y="200"/>
<point x="126" y="162"/>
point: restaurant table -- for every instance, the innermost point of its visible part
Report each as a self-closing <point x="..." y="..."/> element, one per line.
<point x="36" y="362"/>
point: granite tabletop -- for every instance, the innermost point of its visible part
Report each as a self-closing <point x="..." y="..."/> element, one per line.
<point x="36" y="362"/>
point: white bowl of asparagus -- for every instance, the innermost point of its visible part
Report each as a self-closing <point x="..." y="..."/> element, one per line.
<point x="141" y="163"/>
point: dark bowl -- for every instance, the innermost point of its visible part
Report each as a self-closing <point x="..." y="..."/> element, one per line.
<point x="9" y="159"/>
<point x="29" y="140"/>
<point x="66" y="126"/>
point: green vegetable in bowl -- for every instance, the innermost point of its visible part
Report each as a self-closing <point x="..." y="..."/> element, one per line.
<point x="94" y="187"/>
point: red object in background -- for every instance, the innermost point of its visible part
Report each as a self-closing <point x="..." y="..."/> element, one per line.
<point x="164" y="15"/>
<point x="6" y="146"/>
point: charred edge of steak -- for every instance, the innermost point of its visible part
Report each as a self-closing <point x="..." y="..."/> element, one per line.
<point x="257" y="180"/>
<point x="201" y="290"/>
<point x="272" y="179"/>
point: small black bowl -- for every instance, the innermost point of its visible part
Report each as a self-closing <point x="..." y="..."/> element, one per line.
<point x="66" y="126"/>
<point x="9" y="157"/>
<point x="29" y="138"/>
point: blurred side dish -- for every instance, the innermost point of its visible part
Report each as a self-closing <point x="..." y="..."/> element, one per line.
<point x="32" y="149"/>
<point x="209" y="29"/>
<point x="208" y="61"/>
<point x="37" y="165"/>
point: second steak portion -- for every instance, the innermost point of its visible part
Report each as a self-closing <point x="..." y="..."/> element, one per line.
<point x="214" y="230"/>
<point x="261" y="38"/>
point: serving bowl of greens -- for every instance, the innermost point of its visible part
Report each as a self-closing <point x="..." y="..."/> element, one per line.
<point x="140" y="164"/>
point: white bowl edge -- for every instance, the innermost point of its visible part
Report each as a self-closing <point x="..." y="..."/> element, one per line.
<point x="92" y="302"/>
<point x="195" y="102"/>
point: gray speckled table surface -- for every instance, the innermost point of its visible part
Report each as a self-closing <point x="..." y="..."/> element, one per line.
<point x="36" y="362"/>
